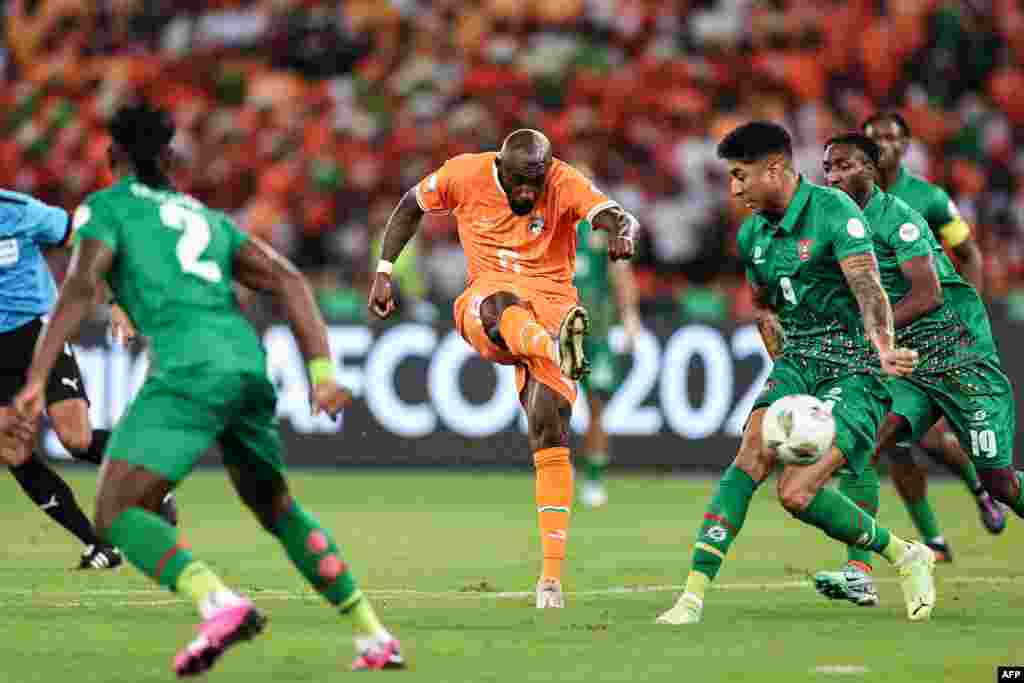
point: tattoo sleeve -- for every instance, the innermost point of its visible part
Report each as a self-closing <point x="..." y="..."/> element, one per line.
<point x="861" y="272"/>
<point x="402" y="225"/>
<point x="771" y="334"/>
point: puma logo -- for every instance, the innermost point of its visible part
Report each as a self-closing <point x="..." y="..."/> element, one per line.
<point x="50" y="504"/>
<point x="73" y="383"/>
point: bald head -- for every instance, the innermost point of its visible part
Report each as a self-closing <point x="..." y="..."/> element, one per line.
<point x="523" y="164"/>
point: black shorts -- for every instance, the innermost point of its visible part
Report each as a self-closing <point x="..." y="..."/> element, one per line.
<point x="16" y="347"/>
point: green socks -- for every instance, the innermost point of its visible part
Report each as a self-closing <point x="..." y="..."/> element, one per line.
<point x="151" y="545"/>
<point x="595" y="464"/>
<point x="924" y="518"/>
<point x="970" y="476"/>
<point x="840" y="518"/>
<point x="723" y="520"/>
<point x="314" y="553"/>
<point x="863" y="491"/>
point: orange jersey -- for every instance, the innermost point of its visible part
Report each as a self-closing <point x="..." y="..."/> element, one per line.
<point x="498" y="242"/>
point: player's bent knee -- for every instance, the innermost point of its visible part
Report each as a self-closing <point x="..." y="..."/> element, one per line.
<point x="74" y="439"/>
<point x="794" y="496"/>
<point x="491" y="309"/>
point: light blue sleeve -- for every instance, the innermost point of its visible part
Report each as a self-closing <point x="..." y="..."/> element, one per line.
<point x="47" y="225"/>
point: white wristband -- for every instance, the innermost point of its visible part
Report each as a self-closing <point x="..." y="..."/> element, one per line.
<point x="385" y="267"/>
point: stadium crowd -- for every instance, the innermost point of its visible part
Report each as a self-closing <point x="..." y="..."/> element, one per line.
<point x="307" y="120"/>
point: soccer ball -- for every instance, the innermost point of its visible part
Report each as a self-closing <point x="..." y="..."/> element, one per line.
<point x="800" y="428"/>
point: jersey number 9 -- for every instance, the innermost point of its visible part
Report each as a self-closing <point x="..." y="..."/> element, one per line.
<point x="193" y="241"/>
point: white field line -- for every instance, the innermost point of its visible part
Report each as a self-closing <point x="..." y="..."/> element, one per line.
<point x="11" y="597"/>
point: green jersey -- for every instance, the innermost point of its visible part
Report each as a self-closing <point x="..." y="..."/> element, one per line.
<point x="592" y="274"/>
<point x="795" y="266"/>
<point x="172" y="274"/>
<point x="932" y="202"/>
<point x="953" y="335"/>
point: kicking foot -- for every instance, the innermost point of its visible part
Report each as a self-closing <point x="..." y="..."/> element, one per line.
<point x="918" y="581"/>
<point x="227" y="627"/>
<point x="593" y="494"/>
<point x="549" y="594"/>
<point x="687" y="610"/>
<point x="849" y="583"/>
<point x="380" y="657"/>
<point x="571" y="334"/>
<point x="100" y="557"/>
<point x="992" y="514"/>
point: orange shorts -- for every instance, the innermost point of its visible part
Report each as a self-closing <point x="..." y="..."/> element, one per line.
<point x="549" y="302"/>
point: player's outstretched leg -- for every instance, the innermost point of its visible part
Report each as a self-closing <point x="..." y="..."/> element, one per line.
<point x="942" y="445"/>
<point x="548" y="424"/>
<point x="514" y="323"/>
<point x="314" y="553"/>
<point x="51" y="493"/>
<point x="803" y="493"/>
<point x="722" y="522"/>
<point x="911" y="482"/>
<point x="70" y="420"/>
<point x="128" y="496"/>
<point x="853" y="581"/>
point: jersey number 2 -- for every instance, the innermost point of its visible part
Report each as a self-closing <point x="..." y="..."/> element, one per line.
<point x="193" y="241"/>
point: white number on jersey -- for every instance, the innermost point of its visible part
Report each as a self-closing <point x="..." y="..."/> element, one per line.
<point x="787" y="290"/>
<point x="984" y="443"/>
<point x="193" y="241"/>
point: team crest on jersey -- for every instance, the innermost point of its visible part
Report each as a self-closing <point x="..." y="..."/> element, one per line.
<point x="537" y="224"/>
<point x="803" y="249"/>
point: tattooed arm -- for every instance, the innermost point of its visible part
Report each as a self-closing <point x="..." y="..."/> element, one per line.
<point x="861" y="272"/>
<point x="771" y="334"/>
<point x="768" y="325"/>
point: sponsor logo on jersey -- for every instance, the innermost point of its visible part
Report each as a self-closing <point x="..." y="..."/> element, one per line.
<point x="803" y="249"/>
<point x="909" y="232"/>
<point x="8" y="252"/>
<point x="82" y="216"/>
<point x="537" y="224"/>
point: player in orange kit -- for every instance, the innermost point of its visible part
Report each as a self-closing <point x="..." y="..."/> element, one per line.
<point x="516" y="212"/>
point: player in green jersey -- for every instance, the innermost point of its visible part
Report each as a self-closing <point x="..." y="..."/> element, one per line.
<point x="892" y="135"/>
<point x="940" y="316"/>
<point x="810" y="259"/>
<point x="597" y="281"/>
<point x="171" y="263"/>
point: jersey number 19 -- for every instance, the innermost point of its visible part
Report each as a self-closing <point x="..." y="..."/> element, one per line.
<point x="193" y="241"/>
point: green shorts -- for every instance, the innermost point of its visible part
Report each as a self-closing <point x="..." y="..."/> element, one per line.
<point x="977" y="402"/>
<point x="605" y="375"/>
<point x="859" y="402"/>
<point x="174" y="421"/>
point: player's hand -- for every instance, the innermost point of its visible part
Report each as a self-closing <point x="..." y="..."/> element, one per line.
<point x="620" y="247"/>
<point x="898" y="362"/>
<point x="13" y="426"/>
<point x="329" y="397"/>
<point x="631" y="325"/>
<point x="121" y="327"/>
<point x="28" y="403"/>
<point x="382" y="301"/>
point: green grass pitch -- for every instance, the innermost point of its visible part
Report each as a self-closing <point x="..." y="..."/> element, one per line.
<point x="451" y="559"/>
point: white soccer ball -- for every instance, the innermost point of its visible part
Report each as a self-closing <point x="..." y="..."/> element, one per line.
<point x="799" y="428"/>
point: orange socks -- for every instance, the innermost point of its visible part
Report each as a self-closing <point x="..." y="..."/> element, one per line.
<point x="554" y="498"/>
<point x="524" y="336"/>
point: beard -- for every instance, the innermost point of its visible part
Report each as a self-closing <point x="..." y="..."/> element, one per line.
<point x="521" y="208"/>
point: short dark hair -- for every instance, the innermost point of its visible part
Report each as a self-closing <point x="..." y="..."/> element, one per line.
<point x="754" y="141"/>
<point x="143" y="132"/>
<point x="862" y="142"/>
<point x="892" y="117"/>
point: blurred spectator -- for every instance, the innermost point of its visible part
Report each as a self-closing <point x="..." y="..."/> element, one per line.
<point x="308" y="119"/>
